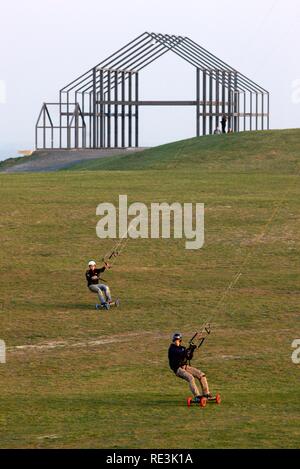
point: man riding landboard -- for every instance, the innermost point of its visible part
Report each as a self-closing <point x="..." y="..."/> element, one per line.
<point x="179" y="357"/>
<point x="93" y="276"/>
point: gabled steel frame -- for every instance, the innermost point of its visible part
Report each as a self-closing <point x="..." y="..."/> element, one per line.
<point x="100" y="109"/>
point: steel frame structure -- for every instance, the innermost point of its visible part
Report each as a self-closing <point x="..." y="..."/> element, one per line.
<point x="100" y="109"/>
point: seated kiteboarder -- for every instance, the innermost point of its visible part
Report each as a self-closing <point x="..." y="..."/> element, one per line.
<point x="179" y="357"/>
<point x="93" y="276"/>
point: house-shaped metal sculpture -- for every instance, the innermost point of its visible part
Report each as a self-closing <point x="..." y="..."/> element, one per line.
<point x="100" y="109"/>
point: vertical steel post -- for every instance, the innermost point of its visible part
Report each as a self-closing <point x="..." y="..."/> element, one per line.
<point x="136" y="109"/>
<point x="60" y="121"/>
<point x="83" y="129"/>
<point x="90" y="120"/>
<point x="44" y="125"/>
<point x="101" y="110"/>
<point x="94" y="109"/>
<point x="68" y="123"/>
<point x="198" y="102"/>
<point x="244" y="111"/>
<point x="130" y="109"/>
<point x="116" y="110"/>
<point x="123" y="110"/>
<point x="238" y="111"/>
<point x="217" y="99"/>
<point x="108" y="109"/>
<point x="251" y="110"/>
<point x="223" y="93"/>
<point x="262" y="111"/>
<point x="76" y="125"/>
<point x="97" y="119"/>
<point x="104" y="123"/>
<point x="210" y="102"/>
<point x="268" y="110"/>
<point x="204" y="102"/>
<point x="36" y="136"/>
<point x="230" y="113"/>
<point x="256" y="111"/>
<point x="236" y="104"/>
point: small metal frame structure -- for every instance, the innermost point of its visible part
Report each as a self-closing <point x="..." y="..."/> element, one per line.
<point x="100" y="109"/>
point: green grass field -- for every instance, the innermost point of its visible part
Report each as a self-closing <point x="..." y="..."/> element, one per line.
<point x="93" y="379"/>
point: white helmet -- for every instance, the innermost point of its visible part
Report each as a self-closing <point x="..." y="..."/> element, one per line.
<point x="92" y="263"/>
<point x="177" y="336"/>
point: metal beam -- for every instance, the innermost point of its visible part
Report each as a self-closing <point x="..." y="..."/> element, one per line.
<point x="108" y="113"/>
<point x="162" y="103"/>
<point x="217" y="100"/>
<point x="123" y="110"/>
<point x="210" y="102"/>
<point x="94" y="110"/>
<point x="102" y="138"/>
<point x="198" y="102"/>
<point x="130" y="109"/>
<point x="116" y="109"/>
<point x="136" y="116"/>
<point x="204" y="102"/>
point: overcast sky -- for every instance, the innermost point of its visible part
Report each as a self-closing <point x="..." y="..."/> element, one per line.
<point x="45" y="44"/>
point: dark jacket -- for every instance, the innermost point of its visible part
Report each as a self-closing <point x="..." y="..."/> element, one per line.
<point x="179" y="356"/>
<point x="92" y="276"/>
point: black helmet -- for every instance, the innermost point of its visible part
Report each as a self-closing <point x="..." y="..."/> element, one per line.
<point x="177" y="336"/>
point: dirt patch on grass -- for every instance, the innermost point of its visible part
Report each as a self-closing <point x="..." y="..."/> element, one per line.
<point x="73" y="344"/>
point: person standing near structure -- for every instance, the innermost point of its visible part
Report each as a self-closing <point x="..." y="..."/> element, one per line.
<point x="223" y="123"/>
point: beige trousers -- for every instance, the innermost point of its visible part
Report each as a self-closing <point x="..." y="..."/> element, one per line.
<point x="189" y="374"/>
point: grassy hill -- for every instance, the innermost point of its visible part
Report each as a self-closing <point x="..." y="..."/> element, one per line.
<point x="76" y="377"/>
<point x="247" y="151"/>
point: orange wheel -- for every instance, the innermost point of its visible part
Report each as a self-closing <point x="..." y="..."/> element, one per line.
<point x="203" y="402"/>
<point x="218" y="399"/>
<point x="189" y="401"/>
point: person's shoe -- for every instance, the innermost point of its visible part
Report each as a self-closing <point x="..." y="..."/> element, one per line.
<point x="209" y="397"/>
<point x="106" y="306"/>
<point x="197" y="399"/>
<point x="98" y="307"/>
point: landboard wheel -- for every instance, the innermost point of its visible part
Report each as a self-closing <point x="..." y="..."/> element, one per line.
<point x="189" y="401"/>
<point x="203" y="402"/>
<point x="218" y="399"/>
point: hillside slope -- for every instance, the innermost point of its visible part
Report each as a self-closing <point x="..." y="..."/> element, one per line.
<point x="277" y="150"/>
<point x="52" y="160"/>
